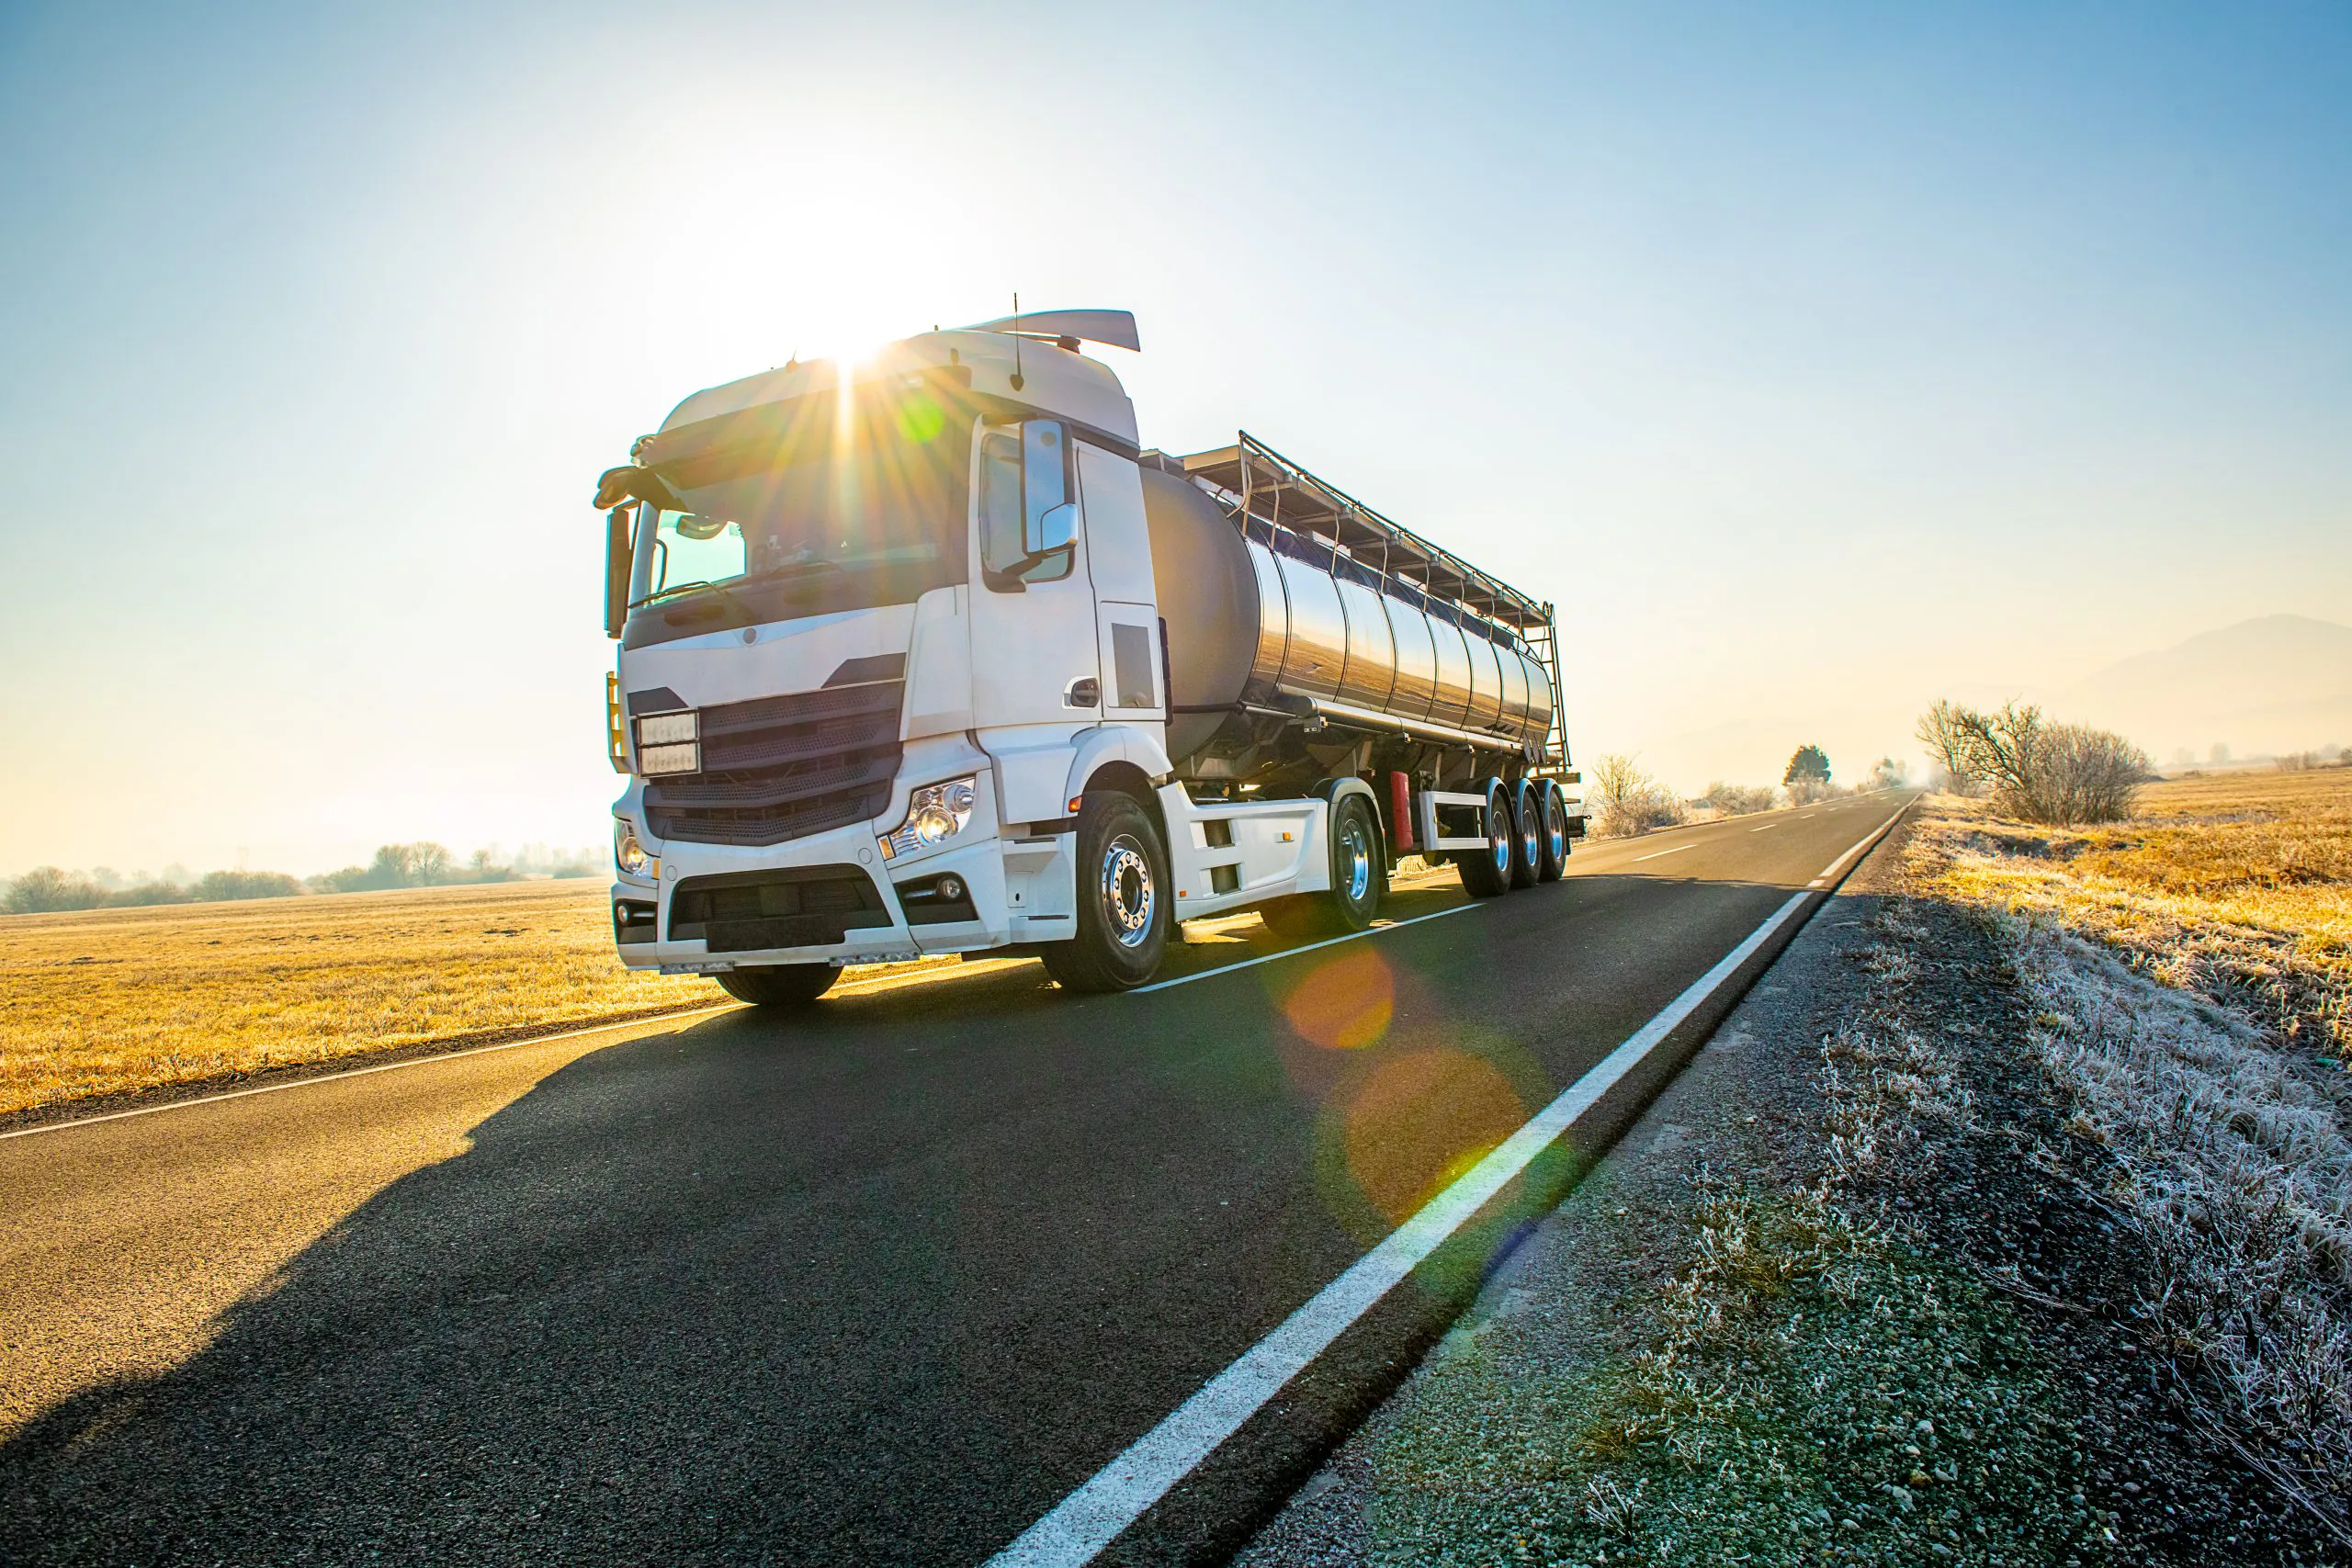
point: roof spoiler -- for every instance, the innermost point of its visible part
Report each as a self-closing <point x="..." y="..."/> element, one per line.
<point x="1115" y="328"/>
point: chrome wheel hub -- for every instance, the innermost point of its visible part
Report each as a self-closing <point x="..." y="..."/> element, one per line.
<point x="1129" y="899"/>
<point x="1357" y="848"/>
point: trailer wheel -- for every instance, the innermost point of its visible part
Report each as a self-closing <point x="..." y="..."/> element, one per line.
<point x="779" y="985"/>
<point x="1486" y="873"/>
<point x="1527" y="836"/>
<point x="1357" y="878"/>
<point x="1123" y="911"/>
<point x="1555" y="832"/>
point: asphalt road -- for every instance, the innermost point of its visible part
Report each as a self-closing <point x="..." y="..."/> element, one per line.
<point x="882" y="1286"/>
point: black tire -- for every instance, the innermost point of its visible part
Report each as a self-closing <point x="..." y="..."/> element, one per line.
<point x="780" y="986"/>
<point x="1488" y="875"/>
<point x="1358" y="876"/>
<point x="1126" y="903"/>
<point x="1555" y="840"/>
<point x="1527" y="834"/>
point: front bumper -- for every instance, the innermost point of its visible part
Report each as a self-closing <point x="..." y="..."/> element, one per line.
<point x="974" y="856"/>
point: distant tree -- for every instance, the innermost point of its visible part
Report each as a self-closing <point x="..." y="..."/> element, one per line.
<point x="46" y="890"/>
<point x="1809" y="765"/>
<point x="1888" y="772"/>
<point x="226" y="885"/>
<point x="2218" y="754"/>
<point x="150" y="891"/>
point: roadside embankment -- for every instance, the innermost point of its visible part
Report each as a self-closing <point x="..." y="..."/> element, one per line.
<point x="1891" y="1274"/>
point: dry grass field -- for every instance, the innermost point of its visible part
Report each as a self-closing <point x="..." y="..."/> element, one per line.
<point x="100" y="1001"/>
<point x="2237" y="885"/>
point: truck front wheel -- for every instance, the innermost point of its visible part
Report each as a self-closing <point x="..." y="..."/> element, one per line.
<point x="1124" y="909"/>
<point x="778" y="985"/>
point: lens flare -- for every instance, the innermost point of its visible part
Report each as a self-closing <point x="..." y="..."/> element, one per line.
<point x="1420" y="1118"/>
<point x="1346" y="1004"/>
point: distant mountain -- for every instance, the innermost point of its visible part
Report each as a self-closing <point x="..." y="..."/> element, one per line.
<point x="2274" y="683"/>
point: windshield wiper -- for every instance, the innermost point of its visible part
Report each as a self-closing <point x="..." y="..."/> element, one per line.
<point x="788" y="570"/>
<point x="683" y="589"/>
<point x="793" y="568"/>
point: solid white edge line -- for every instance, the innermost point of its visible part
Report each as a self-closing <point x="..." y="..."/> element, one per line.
<point x="1662" y="854"/>
<point x="1118" y="1494"/>
<point x="1293" y="951"/>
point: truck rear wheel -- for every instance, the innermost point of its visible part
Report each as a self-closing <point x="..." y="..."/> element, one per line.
<point x="1124" y="912"/>
<point x="778" y="985"/>
<point x="1527" y="834"/>
<point x="1357" y="877"/>
<point x="1555" y="832"/>
<point x="1486" y="873"/>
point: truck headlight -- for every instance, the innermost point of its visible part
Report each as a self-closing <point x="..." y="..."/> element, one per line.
<point x="936" y="813"/>
<point x="628" y="854"/>
<point x="669" y="743"/>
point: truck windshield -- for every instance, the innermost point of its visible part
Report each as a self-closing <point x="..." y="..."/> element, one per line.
<point x="863" y="501"/>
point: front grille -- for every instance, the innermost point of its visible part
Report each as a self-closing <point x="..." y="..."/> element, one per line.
<point x="779" y="768"/>
<point x="744" y="911"/>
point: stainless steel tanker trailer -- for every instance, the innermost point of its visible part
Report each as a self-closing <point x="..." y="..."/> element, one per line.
<point x="926" y="654"/>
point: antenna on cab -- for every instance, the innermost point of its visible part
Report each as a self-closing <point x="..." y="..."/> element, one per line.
<point x="1017" y="382"/>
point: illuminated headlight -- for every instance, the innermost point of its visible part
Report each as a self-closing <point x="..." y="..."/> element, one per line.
<point x="935" y="814"/>
<point x="628" y="854"/>
<point x="669" y="743"/>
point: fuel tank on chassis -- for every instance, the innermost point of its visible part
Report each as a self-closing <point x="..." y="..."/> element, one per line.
<point x="1253" y="622"/>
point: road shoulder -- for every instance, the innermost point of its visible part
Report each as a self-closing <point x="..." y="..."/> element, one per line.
<point x="1817" y="1304"/>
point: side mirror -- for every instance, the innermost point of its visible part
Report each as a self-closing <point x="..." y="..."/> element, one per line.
<point x="616" y="569"/>
<point x="1045" y="489"/>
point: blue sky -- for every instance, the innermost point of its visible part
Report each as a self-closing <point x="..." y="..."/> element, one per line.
<point x="1814" y="360"/>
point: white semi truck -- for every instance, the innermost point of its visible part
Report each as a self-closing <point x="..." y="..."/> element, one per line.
<point x="926" y="654"/>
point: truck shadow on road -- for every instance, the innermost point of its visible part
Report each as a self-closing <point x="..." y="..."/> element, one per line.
<point x="871" y="1287"/>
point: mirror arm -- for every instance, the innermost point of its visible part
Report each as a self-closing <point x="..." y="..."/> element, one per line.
<point x="1008" y="579"/>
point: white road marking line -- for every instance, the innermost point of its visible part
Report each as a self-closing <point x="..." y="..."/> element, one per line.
<point x="1289" y="952"/>
<point x="363" y="1072"/>
<point x="1118" y="1494"/>
<point x="1675" y="851"/>
<point x="1766" y="828"/>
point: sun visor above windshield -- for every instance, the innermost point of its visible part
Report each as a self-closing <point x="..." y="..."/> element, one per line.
<point x="691" y="455"/>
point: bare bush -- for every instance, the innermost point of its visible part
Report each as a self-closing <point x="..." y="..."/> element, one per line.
<point x="1739" y="800"/>
<point x="1628" y="801"/>
<point x="1940" y="731"/>
<point x="2059" y="774"/>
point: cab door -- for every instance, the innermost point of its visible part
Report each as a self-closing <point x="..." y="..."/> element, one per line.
<point x="1126" y="601"/>
<point x="1036" y="670"/>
